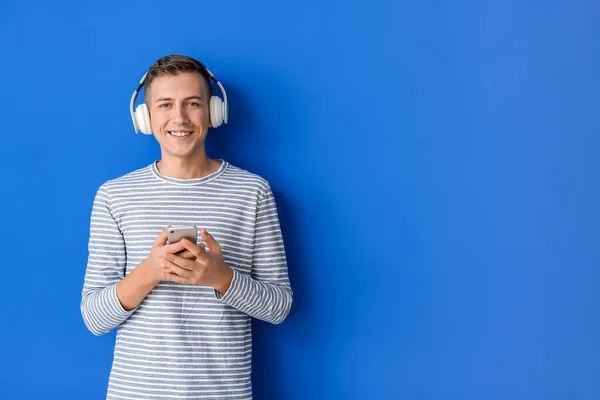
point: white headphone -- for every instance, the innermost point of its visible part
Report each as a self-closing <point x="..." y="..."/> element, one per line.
<point x="141" y="116"/>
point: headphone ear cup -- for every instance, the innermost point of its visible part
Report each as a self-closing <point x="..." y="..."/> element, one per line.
<point x="216" y="111"/>
<point x="142" y="117"/>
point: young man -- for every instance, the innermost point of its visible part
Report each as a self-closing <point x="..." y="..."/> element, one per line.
<point x="183" y="310"/>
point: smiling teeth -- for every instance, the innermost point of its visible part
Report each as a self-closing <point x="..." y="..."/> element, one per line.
<point x="180" y="134"/>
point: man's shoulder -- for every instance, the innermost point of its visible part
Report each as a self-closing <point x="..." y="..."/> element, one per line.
<point x="138" y="175"/>
<point x="241" y="177"/>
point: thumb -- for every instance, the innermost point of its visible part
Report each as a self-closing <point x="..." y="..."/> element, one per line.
<point x="212" y="244"/>
<point x="161" y="239"/>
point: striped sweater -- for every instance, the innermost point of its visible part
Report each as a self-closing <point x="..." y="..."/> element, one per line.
<point x="185" y="341"/>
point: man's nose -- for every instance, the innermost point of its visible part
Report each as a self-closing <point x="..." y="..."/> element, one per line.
<point x="179" y="115"/>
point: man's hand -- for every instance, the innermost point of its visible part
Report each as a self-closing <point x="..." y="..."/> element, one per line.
<point x="208" y="268"/>
<point x="153" y="264"/>
<point x="134" y="288"/>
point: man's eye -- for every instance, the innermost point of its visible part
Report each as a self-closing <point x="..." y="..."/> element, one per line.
<point x="194" y="104"/>
<point x="163" y="105"/>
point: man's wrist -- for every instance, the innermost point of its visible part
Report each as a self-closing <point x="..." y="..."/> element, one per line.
<point x="146" y="276"/>
<point x="225" y="280"/>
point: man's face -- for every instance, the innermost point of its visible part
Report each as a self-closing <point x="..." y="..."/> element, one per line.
<point x="179" y="114"/>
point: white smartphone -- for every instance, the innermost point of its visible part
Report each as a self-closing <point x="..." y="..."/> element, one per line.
<point x="175" y="234"/>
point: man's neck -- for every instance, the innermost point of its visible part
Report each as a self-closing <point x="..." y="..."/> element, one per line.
<point x="178" y="168"/>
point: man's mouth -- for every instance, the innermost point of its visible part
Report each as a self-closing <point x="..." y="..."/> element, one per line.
<point x="180" y="133"/>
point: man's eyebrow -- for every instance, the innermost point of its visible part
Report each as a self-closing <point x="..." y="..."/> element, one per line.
<point x="196" y="97"/>
<point x="171" y="99"/>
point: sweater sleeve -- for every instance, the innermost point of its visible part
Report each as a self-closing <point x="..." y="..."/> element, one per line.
<point x="265" y="293"/>
<point x="100" y="306"/>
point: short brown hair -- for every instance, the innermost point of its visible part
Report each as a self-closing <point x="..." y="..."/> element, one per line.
<point x="173" y="65"/>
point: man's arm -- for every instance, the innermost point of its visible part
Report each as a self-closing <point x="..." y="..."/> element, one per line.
<point x="134" y="288"/>
<point x="100" y="306"/>
<point x="266" y="293"/>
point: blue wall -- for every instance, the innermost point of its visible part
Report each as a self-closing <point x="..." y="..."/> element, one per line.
<point x="436" y="167"/>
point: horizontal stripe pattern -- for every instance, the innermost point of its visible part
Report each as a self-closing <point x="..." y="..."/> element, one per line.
<point x="185" y="341"/>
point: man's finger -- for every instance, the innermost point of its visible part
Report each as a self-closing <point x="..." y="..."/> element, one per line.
<point x="161" y="239"/>
<point x="212" y="244"/>
<point x="183" y="263"/>
<point x="177" y="270"/>
<point x="201" y="250"/>
<point x="174" y="247"/>
<point x="186" y="254"/>
<point x="196" y="249"/>
<point x="172" y="277"/>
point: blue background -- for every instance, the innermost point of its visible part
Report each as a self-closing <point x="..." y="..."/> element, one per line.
<point x="435" y="165"/>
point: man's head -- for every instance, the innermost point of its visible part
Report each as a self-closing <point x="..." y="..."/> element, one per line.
<point x="178" y="99"/>
<point x="174" y="65"/>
